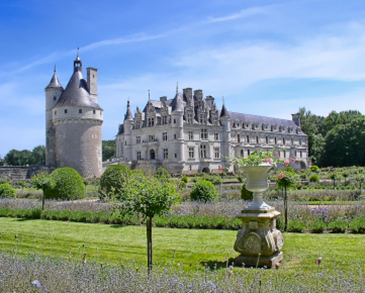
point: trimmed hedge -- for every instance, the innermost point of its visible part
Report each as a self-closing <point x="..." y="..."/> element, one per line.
<point x="314" y="178"/>
<point x="113" y="180"/>
<point x="203" y="191"/>
<point x="6" y="190"/>
<point x="69" y="185"/>
<point x="246" y="194"/>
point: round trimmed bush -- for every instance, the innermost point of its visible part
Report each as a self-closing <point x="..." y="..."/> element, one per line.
<point x="185" y="179"/>
<point x="69" y="185"/>
<point x="162" y="173"/>
<point x="314" y="178"/>
<point x="113" y="181"/>
<point x="203" y="191"/>
<point x="288" y="168"/>
<point x="315" y="168"/>
<point x="246" y="194"/>
<point x="6" y="190"/>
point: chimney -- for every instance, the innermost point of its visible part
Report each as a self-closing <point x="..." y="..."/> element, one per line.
<point x="92" y="83"/>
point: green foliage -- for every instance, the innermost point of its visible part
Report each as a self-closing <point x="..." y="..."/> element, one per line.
<point x="318" y="226"/>
<point x="315" y="169"/>
<point x="113" y="182"/>
<point x="68" y="185"/>
<point x="256" y="158"/>
<point x="42" y="181"/>
<point x="216" y="180"/>
<point x="240" y="178"/>
<point x="108" y="149"/>
<point x="314" y="178"/>
<point x="296" y="226"/>
<point x="223" y="174"/>
<point x="149" y="197"/>
<point x="4" y="180"/>
<point x="288" y="169"/>
<point x="162" y="173"/>
<point x="6" y="190"/>
<point x="357" y="225"/>
<point x="338" y="226"/>
<point x="203" y="191"/>
<point x="26" y="157"/>
<point x="286" y="179"/>
<point x="246" y="194"/>
<point x="185" y="179"/>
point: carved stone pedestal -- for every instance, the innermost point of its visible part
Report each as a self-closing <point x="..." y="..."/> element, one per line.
<point x="259" y="242"/>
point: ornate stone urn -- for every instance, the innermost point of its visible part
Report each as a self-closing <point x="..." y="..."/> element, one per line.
<point x="259" y="242"/>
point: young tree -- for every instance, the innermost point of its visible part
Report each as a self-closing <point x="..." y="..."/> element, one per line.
<point x="149" y="197"/>
<point x="285" y="180"/>
<point x="43" y="181"/>
<point x="334" y="176"/>
<point x="360" y="178"/>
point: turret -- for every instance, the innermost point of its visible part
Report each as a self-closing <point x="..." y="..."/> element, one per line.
<point x="225" y="121"/>
<point x="128" y="124"/>
<point x="53" y="92"/>
<point x="177" y="116"/>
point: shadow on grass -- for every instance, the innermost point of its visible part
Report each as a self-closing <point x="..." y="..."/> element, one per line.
<point x="26" y="219"/>
<point x="211" y="264"/>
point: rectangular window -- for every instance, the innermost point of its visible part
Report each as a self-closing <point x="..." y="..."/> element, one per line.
<point x="54" y="98"/>
<point x="55" y="112"/>
<point x="191" y="152"/>
<point x="204" y="134"/>
<point x="191" y="135"/>
<point x="94" y="111"/>
<point x="203" y="151"/>
<point x="267" y="140"/>
<point x="174" y="136"/>
<point x="216" y="153"/>
<point x="65" y="111"/>
<point x="164" y="136"/>
<point x="190" y="118"/>
<point x="216" y="136"/>
<point x="257" y="139"/>
<point x="151" y="122"/>
<point x="165" y="154"/>
<point x="151" y="138"/>
<point x="247" y="139"/>
<point x="80" y="111"/>
<point x="238" y="138"/>
<point x="138" y="139"/>
<point x="164" y="119"/>
<point x="138" y="155"/>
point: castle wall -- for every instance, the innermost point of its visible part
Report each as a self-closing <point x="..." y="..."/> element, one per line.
<point x="79" y="146"/>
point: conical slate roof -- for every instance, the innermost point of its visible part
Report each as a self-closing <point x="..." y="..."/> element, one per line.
<point x="128" y="115"/>
<point x="76" y="92"/>
<point x="54" y="83"/>
<point x="177" y="103"/>
<point x="224" y="112"/>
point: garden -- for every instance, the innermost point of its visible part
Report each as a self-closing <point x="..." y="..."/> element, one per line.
<point x="95" y="235"/>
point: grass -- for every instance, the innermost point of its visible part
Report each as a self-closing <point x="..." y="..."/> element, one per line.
<point x="190" y="248"/>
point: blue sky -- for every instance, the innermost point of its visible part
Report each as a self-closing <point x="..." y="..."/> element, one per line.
<point x="265" y="57"/>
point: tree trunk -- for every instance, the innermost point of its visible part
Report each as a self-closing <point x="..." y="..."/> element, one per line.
<point x="43" y="199"/>
<point x="285" y="210"/>
<point x="149" y="244"/>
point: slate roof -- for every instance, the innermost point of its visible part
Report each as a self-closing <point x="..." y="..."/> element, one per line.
<point x="261" y="119"/>
<point x="76" y="92"/>
<point x="128" y="115"/>
<point x="224" y="112"/>
<point x="54" y="83"/>
<point x="177" y="103"/>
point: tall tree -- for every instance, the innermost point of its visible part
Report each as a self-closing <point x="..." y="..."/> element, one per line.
<point x="108" y="149"/>
<point x="39" y="155"/>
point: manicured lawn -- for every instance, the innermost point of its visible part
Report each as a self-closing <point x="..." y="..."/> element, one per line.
<point x="192" y="248"/>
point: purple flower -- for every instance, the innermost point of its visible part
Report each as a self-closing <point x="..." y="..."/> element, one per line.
<point x="37" y="283"/>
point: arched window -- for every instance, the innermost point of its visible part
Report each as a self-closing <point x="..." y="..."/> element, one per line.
<point x="152" y="154"/>
<point x="242" y="154"/>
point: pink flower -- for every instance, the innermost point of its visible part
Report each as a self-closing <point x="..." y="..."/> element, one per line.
<point x="278" y="154"/>
<point x="281" y="176"/>
<point x="268" y="160"/>
<point x="293" y="160"/>
<point x="286" y="163"/>
<point x="318" y="260"/>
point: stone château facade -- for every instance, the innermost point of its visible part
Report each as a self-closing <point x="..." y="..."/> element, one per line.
<point x="188" y="134"/>
<point x="73" y="123"/>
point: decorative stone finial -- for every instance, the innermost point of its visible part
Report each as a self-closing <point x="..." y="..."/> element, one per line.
<point x="149" y="95"/>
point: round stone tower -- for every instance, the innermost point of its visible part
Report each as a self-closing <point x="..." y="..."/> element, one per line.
<point x="74" y="134"/>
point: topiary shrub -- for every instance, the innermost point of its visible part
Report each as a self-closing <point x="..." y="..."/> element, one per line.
<point x="113" y="181"/>
<point x="314" y="178"/>
<point x="6" y="190"/>
<point x="315" y="169"/>
<point x="288" y="168"/>
<point x="162" y="173"/>
<point x="203" y="191"/>
<point x="185" y="179"/>
<point x="68" y="185"/>
<point x="246" y="194"/>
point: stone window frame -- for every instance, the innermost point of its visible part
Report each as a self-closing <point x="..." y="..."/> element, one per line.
<point x="203" y="151"/>
<point x="139" y="155"/>
<point x="164" y="136"/>
<point x="216" y="153"/>
<point x="138" y="139"/>
<point x="216" y="136"/>
<point x="191" y="135"/>
<point x="204" y="133"/>
<point x="191" y="151"/>
<point x="165" y="154"/>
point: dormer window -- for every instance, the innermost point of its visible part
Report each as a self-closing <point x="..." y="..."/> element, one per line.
<point x="94" y="111"/>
